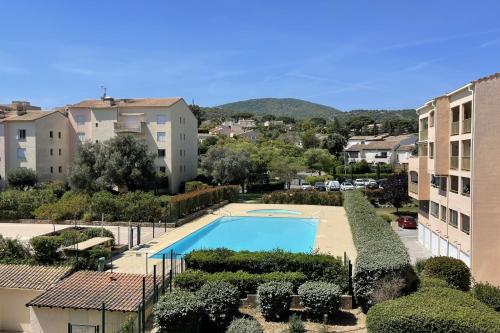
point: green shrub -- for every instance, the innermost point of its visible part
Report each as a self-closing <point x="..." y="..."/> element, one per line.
<point x="194" y="185"/>
<point x="381" y="252"/>
<point x="72" y="205"/>
<point x="295" y="325"/>
<point x="97" y="232"/>
<point x="15" y="204"/>
<point x="22" y="178"/>
<point x="221" y="302"/>
<point x="297" y="197"/>
<point x="454" y="271"/>
<point x="107" y="204"/>
<point x="140" y="207"/>
<point x="45" y="249"/>
<point x="488" y="294"/>
<point x="13" y="251"/>
<point x="274" y="299"/>
<point x="432" y="282"/>
<point x="245" y="282"/>
<point x="320" y="298"/>
<point x="437" y="310"/>
<point x="93" y="257"/>
<point x="386" y="217"/>
<point x="72" y="236"/>
<point x="178" y="312"/>
<point x="420" y="265"/>
<point x="313" y="266"/>
<point x="244" y="325"/>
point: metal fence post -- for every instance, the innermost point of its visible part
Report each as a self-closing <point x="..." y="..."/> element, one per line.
<point x="349" y="267"/>
<point x="155" y="294"/>
<point x="143" y="312"/>
<point x="69" y="327"/>
<point x="163" y="273"/>
<point x="170" y="279"/>
<point x="153" y="229"/>
<point x="172" y="261"/>
<point x="103" y="321"/>
<point x="138" y="235"/>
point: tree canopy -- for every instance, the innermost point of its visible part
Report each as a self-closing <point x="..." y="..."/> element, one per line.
<point x="226" y="166"/>
<point x="396" y="189"/>
<point x="22" y="178"/>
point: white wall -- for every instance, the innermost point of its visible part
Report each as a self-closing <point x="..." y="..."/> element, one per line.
<point x="14" y="315"/>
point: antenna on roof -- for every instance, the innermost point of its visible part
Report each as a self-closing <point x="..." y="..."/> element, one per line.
<point x="104" y="89"/>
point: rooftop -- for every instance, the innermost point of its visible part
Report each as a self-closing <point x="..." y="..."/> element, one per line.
<point x="126" y="102"/>
<point x="31" y="277"/>
<point x="388" y="143"/>
<point x="88" y="290"/>
<point x="369" y="137"/>
<point x="28" y="116"/>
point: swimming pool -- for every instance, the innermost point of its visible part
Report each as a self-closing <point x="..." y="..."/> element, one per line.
<point x="274" y="211"/>
<point x="252" y="233"/>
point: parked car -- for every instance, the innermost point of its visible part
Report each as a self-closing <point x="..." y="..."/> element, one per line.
<point x="359" y="183"/>
<point x="333" y="185"/>
<point x="371" y="184"/>
<point x="305" y="186"/>
<point x="320" y="186"/>
<point x="346" y="186"/>
<point x="407" y="222"/>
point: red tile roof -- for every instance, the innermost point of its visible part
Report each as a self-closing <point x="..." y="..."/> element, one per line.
<point x="88" y="290"/>
<point x="127" y="102"/>
<point x="31" y="277"/>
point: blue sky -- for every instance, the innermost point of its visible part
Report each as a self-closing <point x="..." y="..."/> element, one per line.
<point x="347" y="54"/>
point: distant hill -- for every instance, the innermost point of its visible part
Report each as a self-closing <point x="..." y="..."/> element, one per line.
<point x="300" y="109"/>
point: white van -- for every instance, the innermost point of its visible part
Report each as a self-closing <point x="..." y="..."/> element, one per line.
<point x="333" y="185"/>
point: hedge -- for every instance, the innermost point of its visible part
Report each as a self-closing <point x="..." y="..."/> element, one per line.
<point x="320" y="298"/>
<point x="437" y="310"/>
<point x="13" y="251"/>
<point x="454" y="271"/>
<point x="15" y="204"/>
<point x="221" y="302"/>
<point x="274" y="299"/>
<point x="488" y="294"/>
<point x="269" y="187"/>
<point x="178" y="312"/>
<point x="298" y="197"/>
<point x="381" y="253"/>
<point x="245" y="282"/>
<point x="244" y="325"/>
<point x="314" y="266"/>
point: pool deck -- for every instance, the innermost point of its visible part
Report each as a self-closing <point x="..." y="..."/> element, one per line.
<point x="333" y="235"/>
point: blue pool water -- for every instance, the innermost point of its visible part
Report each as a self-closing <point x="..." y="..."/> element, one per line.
<point x="252" y="233"/>
<point x="274" y="211"/>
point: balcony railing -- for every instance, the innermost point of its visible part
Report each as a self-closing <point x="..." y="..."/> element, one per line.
<point x="455" y="128"/>
<point x="424" y="134"/>
<point x="454" y="162"/>
<point x="466" y="125"/>
<point x="125" y="127"/>
<point x="413" y="187"/>
<point x="466" y="163"/>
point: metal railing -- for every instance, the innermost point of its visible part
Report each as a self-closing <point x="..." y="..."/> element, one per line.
<point x="466" y="163"/>
<point x="455" y="128"/>
<point x="424" y="134"/>
<point x="124" y="127"/>
<point x="467" y="125"/>
<point x="413" y="187"/>
<point x="454" y="162"/>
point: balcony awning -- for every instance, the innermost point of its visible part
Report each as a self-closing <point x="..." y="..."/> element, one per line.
<point x="132" y="114"/>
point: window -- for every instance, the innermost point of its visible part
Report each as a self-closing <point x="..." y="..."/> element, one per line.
<point x="443" y="213"/>
<point x="60" y="169"/>
<point x="453" y="218"/>
<point x="431" y="150"/>
<point x="465" y="225"/>
<point x="423" y="206"/>
<point x="180" y="152"/>
<point x="161" y="119"/>
<point x="443" y="185"/>
<point x="51" y="134"/>
<point x="180" y="120"/>
<point x="160" y="136"/>
<point x="21" y="153"/>
<point x="51" y="151"/>
<point x="163" y="169"/>
<point x="96" y="141"/>
<point x="431" y="119"/>
<point x="161" y="152"/>
<point x="80" y="120"/>
<point x="51" y="169"/>
<point x="434" y="209"/>
<point x="59" y="135"/>
<point x="21" y="134"/>
<point x="466" y="186"/>
<point x="60" y="151"/>
<point x="184" y="135"/>
<point x="454" y="184"/>
<point x="180" y="136"/>
<point x="81" y="136"/>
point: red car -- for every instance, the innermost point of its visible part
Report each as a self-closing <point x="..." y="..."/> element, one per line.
<point x="407" y="222"/>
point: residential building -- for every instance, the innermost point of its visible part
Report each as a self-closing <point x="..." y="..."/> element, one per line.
<point x="233" y="130"/>
<point x="247" y="123"/>
<point x="364" y="139"/>
<point x="274" y="123"/>
<point x="382" y="149"/>
<point x="455" y="176"/>
<point x="34" y="139"/>
<point x="19" y="284"/>
<point x="166" y="124"/>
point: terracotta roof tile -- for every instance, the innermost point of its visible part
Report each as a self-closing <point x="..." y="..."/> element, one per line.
<point x="127" y="102"/>
<point x="31" y="277"/>
<point x="88" y="290"/>
<point x="28" y="116"/>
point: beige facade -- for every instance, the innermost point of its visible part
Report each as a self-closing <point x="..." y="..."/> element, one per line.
<point x="455" y="176"/>
<point x="14" y="315"/>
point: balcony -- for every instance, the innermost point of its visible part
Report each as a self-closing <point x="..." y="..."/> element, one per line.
<point x="466" y="163"/>
<point x="466" y="125"/>
<point x="454" y="162"/>
<point x="455" y="128"/>
<point x="413" y="187"/>
<point x="424" y="134"/>
<point x="128" y="128"/>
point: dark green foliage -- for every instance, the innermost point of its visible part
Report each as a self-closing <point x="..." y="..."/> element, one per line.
<point x="194" y="185"/>
<point x="431" y="282"/>
<point x="94" y="255"/>
<point x="488" y="294"/>
<point x="454" y="271"/>
<point x="437" y="310"/>
<point x="295" y="325"/>
<point x="259" y="188"/>
<point x="381" y="252"/>
<point x="221" y="302"/>
<point x="304" y="198"/>
<point x="45" y="249"/>
<point x="396" y="189"/>
<point x="13" y="251"/>
<point x="313" y="266"/>
<point x="140" y="206"/>
<point x="16" y="204"/>
<point x="21" y="178"/>
<point x="97" y="232"/>
<point x="226" y="166"/>
<point x="320" y="298"/>
<point x="244" y="325"/>
<point x="245" y="282"/>
<point x="178" y="312"/>
<point x="420" y="265"/>
<point x="274" y="299"/>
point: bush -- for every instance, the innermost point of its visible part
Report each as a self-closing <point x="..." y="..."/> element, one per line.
<point x="72" y="205"/>
<point x="15" y="204"/>
<point x="194" y="185"/>
<point x="320" y="298"/>
<point x="430" y="282"/>
<point x="178" y="312"/>
<point x="22" y="178"/>
<point x="437" y="310"/>
<point x="93" y="257"/>
<point x="381" y="253"/>
<point x="388" y="288"/>
<point x="106" y="203"/>
<point x="295" y="325"/>
<point x="140" y="207"/>
<point x="419" y="265"/>
<point x="245" y="325"/>
<point x="269" y="187"/>
<point x="13" y="251"/>
<point x="274" y="299"/>
<point x="386" y="217"/>
<point x="221" y="301"/>
<point x="97" y="232"/>
<point x="245" y="282"/>
<point x="45" y="249"/>
<point x="488" y="294"/>
<point x="454" y="271"/>
<point x="297" y="197"/>
<point x="313" y="266"/>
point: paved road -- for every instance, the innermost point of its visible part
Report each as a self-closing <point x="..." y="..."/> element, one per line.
<point x="410" y="239"/>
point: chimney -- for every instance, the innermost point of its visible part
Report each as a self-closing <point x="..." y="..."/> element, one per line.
<point x="21" y="107"/>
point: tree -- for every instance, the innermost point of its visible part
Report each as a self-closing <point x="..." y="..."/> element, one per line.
<point x="198" y="112"/>
<point x="319" y="160"/>
<point x="309" y="139"/>
<point x="207" y="143"/>
<point x="86" y="173"/>
<point x="226" y="166"/>
<point x="396" y="190"/>
<point x="285" y="169"/>
<point x="334" y="143"/>
<point x="22" y="178"/>
<point x="268" y="117"/>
